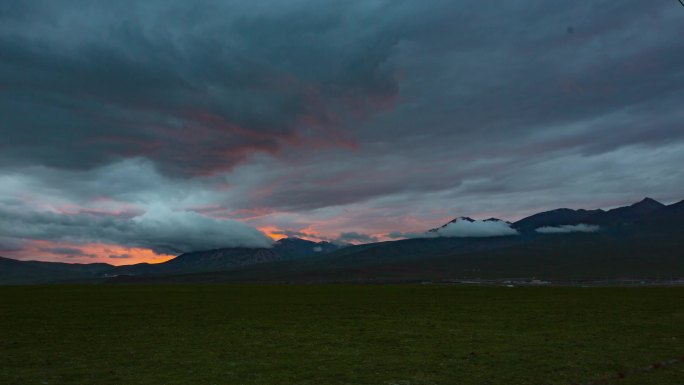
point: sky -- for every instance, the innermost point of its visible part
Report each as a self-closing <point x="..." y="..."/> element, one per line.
<point x="134" y="131"/>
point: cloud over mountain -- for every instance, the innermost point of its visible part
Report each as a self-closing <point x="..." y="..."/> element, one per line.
<point x="353" y="236"/>
<point x="580" y="228"/>
<point x="159" y="228"/>
<point x="463" y="228"/>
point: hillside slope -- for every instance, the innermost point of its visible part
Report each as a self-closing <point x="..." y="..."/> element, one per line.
<point x="32" y="272"/>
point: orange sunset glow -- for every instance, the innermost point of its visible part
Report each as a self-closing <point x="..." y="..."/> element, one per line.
<point x="271" y="231"/>
<point x="89" y="253"/>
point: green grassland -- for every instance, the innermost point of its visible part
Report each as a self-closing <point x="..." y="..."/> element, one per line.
<point x="365" y="334"/>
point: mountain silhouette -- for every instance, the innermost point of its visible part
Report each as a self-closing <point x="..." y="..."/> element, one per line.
<point x="642" y="240"/>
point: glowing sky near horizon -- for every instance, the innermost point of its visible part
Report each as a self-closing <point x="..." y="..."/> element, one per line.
<point x="134" y="131"/>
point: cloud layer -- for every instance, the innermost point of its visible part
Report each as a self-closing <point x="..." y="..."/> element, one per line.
<point x="580" y="228"/>
<point x="216" y="78"/>
<point x="168" y="123"/>
<point x="158" y="229"/>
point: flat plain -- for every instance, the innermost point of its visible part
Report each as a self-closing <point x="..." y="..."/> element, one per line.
<point x="334" y="334"/>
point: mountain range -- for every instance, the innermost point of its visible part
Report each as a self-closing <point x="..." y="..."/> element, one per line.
<point x="641" y="241"/>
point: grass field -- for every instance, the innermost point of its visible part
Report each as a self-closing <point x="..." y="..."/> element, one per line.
<point x="337" y="334"/>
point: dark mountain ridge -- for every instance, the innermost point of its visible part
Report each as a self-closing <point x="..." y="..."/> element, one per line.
<point x="614" y="217"/>
<point x="621" y="215"/>
<point x="22" y="272"/>
<point x="223" y="259"/>
<point x="558" y="217"/>
<point x="645" y="239"/>
<point x="13" y="271"/>
<point x="668" y="218"/>
<point x="464" y="219"/>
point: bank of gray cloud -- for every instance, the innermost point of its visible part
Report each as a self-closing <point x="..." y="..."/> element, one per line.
<point x="159" y="228"/>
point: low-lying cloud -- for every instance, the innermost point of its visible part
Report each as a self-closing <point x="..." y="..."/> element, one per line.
<point x="400" y="235"/>
<point x="463" y="228"/>
<point x="161" y="229"/>
<point x="581" y="228"/>
<point x="476" y="228"/>
<point x="355" y="237"/>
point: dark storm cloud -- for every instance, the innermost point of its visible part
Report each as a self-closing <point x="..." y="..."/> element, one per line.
<point x="503" y="88"/>
<point x="200" y="87"/>
<point x="196" y="87"/>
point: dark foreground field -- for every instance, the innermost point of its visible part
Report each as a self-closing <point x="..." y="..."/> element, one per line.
<point x="337" y="334"/>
